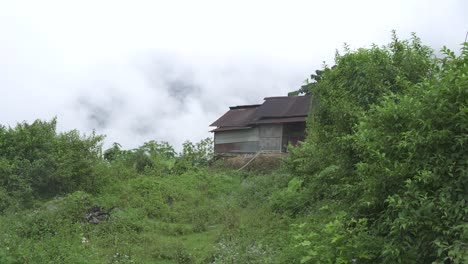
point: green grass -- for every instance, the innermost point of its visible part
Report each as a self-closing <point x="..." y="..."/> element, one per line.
<point x="173" y="219"/>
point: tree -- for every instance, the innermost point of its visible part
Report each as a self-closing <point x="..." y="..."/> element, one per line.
<point x="413" y="170"/>
<point x="340" y="96"/>
<point x="386" y="149"/>
<point x="36" y="161"/>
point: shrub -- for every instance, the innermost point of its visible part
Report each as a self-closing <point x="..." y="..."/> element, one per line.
<point x="413" y="169"/>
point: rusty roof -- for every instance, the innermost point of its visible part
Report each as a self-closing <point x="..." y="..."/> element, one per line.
<point x="238" y="116"/>
<point x="280" y="109"/>
<point x="281" y="120"/>
<point x="229" y="128"/>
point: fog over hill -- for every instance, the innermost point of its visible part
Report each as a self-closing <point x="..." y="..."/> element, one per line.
<point x="155" y="70"/>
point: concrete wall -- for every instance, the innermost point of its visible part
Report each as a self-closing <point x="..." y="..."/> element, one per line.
<point x="236" y="141"/>
<point x="232" y="136"/>
<point x="271" y="136"/>
<point x="267" y="137"/>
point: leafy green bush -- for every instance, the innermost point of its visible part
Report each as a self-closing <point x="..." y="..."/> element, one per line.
<point x="387" y="134"/>
<point x="193" y="155"/>
<point x="340" y="96"/>
<point x="340" y="240"/>
<point x="151" y="158"/>
<point x="36" y="161"/>
<point x="414" y="166"/>
<point x="381" y="178"/>
<point x="291" y="200"/>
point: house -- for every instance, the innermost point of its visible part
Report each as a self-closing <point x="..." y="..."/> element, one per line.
<point x="270" y="126"/>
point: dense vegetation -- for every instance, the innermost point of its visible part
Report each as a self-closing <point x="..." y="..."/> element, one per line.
<point x="381" y="178"/>
<point x="386" y="152"/>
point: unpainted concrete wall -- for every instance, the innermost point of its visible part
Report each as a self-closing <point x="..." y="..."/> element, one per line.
<point x="236" y="141"/>
<point x="233" y="136"/>
<point x="267" y="137"/>
<point x="271" y="136"/>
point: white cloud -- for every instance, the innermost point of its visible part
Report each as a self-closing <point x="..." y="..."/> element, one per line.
<point x="165" y="70"/>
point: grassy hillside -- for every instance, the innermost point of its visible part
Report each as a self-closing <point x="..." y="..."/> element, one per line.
<point x="163" y="207"/>
<point x="381" y="178"/>
<point x="199" y="216"/>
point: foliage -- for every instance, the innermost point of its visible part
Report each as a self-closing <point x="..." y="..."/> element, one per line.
<point x="414" y="165"/>
<point x="148" y="157"/>
<point x="345" y="92"/>
<point x="193" y="155"/>
<point x="184" y="217"/>
<point x="337" y="241"/>
<point x="160" y="158"/>
<point x="381" y="178"/>
<point x="166" y="219"/>
<point x="386" y="141"/>
<point x="233" y="251"/>
<point x="36" y="161"/>
<point x="198" y="154"/>
<point x="291" y="200"/>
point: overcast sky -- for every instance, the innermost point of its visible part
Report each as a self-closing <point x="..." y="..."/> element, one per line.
<point x="164" y="70"/>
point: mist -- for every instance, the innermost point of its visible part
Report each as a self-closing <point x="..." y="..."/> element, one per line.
<point x="150" y="70"/>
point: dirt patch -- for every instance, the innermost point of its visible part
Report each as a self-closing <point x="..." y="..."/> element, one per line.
<point x="264" y="162"/>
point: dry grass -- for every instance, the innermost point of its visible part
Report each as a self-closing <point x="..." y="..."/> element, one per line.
<point x="263" y="163"/>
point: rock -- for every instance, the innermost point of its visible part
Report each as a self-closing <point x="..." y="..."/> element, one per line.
<point x="97" y="214"/>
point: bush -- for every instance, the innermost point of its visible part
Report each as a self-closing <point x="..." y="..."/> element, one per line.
<point x="341" y="240"/>
<point x="291" y="200"/>
<point x="38" y="162"/>
<point x="414" y="166"/>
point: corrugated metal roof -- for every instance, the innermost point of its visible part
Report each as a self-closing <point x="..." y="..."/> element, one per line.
<point x="236" y="117"/>
<point x="281" y="109"/>
<point x="244" y="106"/>
<point x="281" y="120"/>
<point x="230" y="128"/>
